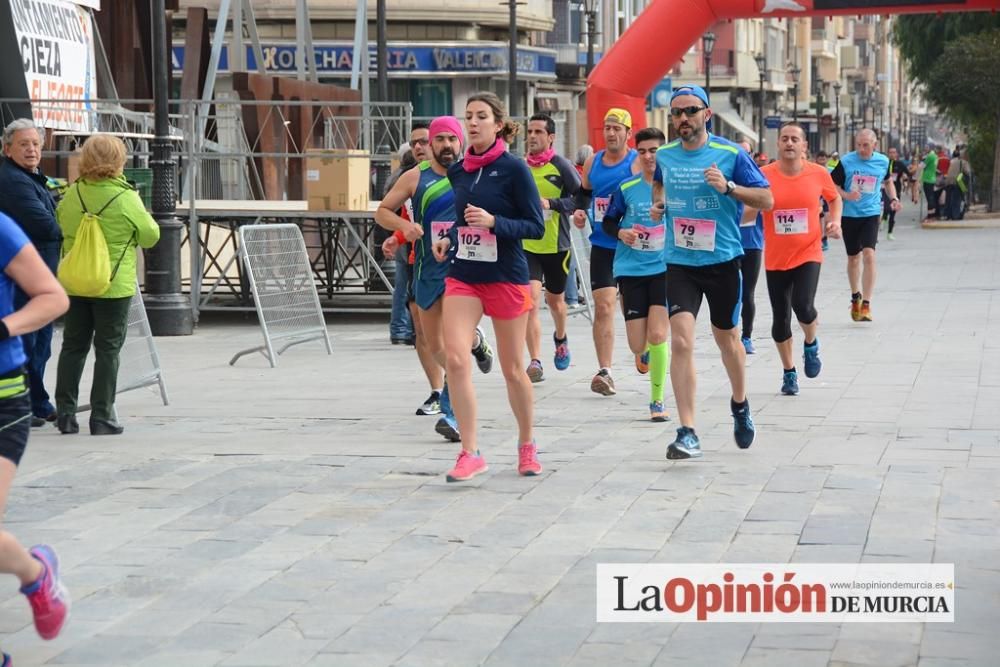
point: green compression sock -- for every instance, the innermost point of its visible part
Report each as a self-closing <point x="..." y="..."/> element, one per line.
<point x="659" y="359"/>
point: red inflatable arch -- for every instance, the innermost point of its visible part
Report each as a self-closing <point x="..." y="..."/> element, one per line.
<point x="661" y="35"/>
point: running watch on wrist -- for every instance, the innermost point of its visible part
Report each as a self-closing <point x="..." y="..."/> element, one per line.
<point x="730" y="186"/>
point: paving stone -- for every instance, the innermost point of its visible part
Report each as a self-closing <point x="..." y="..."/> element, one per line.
<point x="271" y="516"/>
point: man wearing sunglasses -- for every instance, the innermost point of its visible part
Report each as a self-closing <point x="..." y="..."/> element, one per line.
<point x="702" y="183"/>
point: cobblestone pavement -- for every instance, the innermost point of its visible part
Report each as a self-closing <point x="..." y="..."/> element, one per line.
<point x="299" y="516"/>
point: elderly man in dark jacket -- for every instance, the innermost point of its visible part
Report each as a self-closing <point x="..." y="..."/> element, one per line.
<point x="25" y="197"/>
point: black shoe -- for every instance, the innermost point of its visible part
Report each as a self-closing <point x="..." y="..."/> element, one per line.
<point x="37" y="422"/>
<point x="105" y="427"/>
<point x="410" y="340"/>
<point x="67" y="424"/>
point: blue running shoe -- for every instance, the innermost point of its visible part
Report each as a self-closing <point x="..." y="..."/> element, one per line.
<point x="790" y="383"/>
<point x="810" y="359"/>
<point x="748" y="346"/>
<point x="448" y="427"/>
<point x="562" y="353"/>
<point x="743" y="430"/>
<point x="642" y="362"/>
<point x="5" y="660"/>
<point x="444" y="401"/>
<point x="657" y="412"/>
<point x="686" y="446"/>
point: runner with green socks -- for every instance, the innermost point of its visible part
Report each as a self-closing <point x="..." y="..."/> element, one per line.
<point x="640" y="268"/>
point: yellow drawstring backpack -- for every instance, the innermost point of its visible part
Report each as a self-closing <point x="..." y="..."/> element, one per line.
<point x="86" y="269"/>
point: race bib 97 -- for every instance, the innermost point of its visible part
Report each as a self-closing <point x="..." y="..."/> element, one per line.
<point x="649" y="239"/>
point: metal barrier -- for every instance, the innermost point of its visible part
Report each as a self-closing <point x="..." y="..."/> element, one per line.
<point x="283" y="289"/>
<point x="139" y="363"/>
<point x="580" y="240"/>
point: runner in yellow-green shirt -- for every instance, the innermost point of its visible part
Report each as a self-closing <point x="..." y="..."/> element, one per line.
<point x="548" y="258"/>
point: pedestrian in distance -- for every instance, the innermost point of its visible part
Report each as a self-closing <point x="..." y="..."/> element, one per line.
<point x="103" y="192"/>
<point x="27" y="199"/>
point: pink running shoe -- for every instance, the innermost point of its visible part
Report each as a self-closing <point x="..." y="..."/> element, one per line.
<point x="467" y="466"/>
<point x="49" y="599"/>
<point x="527" y="460"/>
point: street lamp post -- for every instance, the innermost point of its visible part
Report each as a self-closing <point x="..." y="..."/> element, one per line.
<point x="836" y="93"/>
<point x="762" y="73"/>
<point x="168" y="311"/>
<point x="590" y="10"/>
<point x="795" y="72"/>
<point x="707" y="46"/>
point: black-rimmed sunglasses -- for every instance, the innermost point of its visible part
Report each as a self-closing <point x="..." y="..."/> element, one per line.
<point x="690" y="111"/>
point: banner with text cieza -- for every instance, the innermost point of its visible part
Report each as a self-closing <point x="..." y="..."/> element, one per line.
<point x="56" y="41"/>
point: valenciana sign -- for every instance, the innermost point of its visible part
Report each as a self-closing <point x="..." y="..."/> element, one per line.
<point x="56" y="43"/>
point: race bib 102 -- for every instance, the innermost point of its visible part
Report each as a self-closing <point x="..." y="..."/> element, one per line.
<point x="476" y="244"/>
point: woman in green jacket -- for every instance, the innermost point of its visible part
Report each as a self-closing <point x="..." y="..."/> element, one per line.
<point x="101" y="190"/>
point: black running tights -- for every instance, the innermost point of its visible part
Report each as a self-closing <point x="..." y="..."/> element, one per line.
<point x="792" y="290"/>
<point x="750" y="271"/>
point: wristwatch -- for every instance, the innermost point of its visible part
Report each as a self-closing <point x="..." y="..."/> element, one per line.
<point x="730" y="186"/>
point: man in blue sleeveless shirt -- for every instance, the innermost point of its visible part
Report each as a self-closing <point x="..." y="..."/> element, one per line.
<point x="860" y="176"/>
<point x="701" y="184"/>
<point x="602" y="172"/>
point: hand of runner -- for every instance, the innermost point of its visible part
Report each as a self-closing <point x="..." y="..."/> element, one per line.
<point x="390" y="246"/>
<point x="895" y="205"/>
<point x="656" y="211"/>
<point x="627" y="236"/>
<point x="579" y="218"/>
<point x="413" y="232"/>
<point x="440" y="249"/>
<point x="833" y="229"/>
<point x="853" y="195"/>
<point x="477" y="217"/>
<point x="714" y="177"/>
<point x="545" y="204"/>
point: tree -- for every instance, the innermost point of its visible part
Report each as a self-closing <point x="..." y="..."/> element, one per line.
<point x="949" y="56"/>
<point x="966" y="76"/>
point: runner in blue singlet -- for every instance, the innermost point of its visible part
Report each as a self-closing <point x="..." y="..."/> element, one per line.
<point x="602" y="173"/>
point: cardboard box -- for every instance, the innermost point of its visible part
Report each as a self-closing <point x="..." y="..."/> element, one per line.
<point x="337" y="180"/>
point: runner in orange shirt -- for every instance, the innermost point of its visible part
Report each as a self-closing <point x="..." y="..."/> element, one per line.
<point x="793" y="240"/>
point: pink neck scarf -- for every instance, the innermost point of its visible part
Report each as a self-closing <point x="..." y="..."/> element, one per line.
<point x="542" y="158"/>
<point x="472" y="162"/>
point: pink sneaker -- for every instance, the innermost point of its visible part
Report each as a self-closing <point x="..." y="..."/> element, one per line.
<point x="527" y="460"/>
<point x="49" y="599"/>
<point x="467" y="466"/>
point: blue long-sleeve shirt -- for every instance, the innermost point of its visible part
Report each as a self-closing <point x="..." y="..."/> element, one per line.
<point x="505" y="189"/>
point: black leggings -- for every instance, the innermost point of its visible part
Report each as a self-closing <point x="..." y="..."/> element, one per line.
<point x="750" y="271"/>
<point x="792" y="290"/>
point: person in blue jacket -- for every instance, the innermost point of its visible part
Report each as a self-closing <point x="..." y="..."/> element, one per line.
<point x="25" y="197"/>
<point x="497" y="206"/>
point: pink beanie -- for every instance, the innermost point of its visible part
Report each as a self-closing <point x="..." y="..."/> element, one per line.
<point x="446" y="124"/>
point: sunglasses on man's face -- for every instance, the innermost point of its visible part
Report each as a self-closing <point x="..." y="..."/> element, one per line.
<point x="676" y="112"/>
